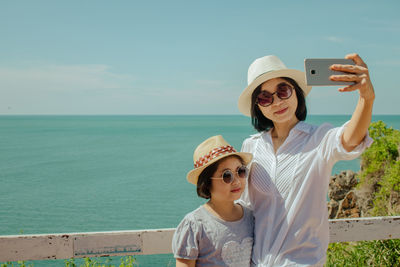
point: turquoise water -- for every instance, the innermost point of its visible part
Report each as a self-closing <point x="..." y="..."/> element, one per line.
<point x="61" y="174"/>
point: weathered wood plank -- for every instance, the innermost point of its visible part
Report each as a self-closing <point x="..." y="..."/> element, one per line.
<point x="148" y="242"/>
<point x="35" y="247"/>
<point x="107" y="244"/>
<point x="80" y="245"/>
<point x="358" y="229"/>
<point x="157" y="242"/>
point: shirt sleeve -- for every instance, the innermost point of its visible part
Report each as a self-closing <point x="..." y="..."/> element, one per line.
<point x="332" y="148"/>
<point x="185" y="243"/>
<point x="245" y="146"/>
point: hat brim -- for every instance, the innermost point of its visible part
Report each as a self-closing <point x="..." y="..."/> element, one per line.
<point x="244" y="103"/>
<point x="193" y="175"/>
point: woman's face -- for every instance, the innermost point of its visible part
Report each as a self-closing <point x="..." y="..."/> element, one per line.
<point x="281" y="110"/>
<point x="221" y="191"/>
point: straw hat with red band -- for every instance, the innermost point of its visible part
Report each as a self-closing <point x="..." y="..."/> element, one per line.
<point x="210" y="151"/>
<point x="264" y="69"/>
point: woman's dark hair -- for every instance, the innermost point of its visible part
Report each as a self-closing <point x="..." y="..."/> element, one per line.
<point x="261" y="123"/>
<point x="204" y="181"/>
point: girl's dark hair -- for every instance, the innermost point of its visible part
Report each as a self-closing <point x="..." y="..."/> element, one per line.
<point x="204" y="181"/>
<point x="261" y="123"/>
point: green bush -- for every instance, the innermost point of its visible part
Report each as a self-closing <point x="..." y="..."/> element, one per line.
<point x="389" y="187"/>
<point x="381" y="168"/>
<point x="96" y="262"/>
<point x="382" y="153"/>
<point x="364" y="253"/>
<point x="17" y="264"/>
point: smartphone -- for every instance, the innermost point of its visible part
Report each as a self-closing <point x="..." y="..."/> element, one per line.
<point x="318" y="71"/>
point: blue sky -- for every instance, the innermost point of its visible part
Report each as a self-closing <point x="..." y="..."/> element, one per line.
<point x="183" y="57"/>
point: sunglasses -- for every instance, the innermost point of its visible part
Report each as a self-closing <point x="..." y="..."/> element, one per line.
<point x="283" y="91"/>
<point x="228" y="176"/>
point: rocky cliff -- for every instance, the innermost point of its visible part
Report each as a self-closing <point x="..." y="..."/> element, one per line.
<point x="347" y="200"/>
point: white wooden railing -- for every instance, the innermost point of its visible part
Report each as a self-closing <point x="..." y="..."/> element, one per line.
<point x="145" y="242"/>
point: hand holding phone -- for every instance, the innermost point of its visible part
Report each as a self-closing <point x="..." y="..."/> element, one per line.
<point x="318" y="71"/>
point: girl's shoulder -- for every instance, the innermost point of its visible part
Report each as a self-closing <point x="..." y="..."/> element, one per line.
<point x="191" y="216"/>
<point x="193" y="219"/>
<point x="189" y="225"/>
<point x="186" y="235"/>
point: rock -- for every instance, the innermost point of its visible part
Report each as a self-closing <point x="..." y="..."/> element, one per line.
<point x="343" y="196"/>
<point x="394" y="202"/>
<point x="349" y="201"/>
<point x="351" y="213"/>
<point x="365" y="195"/>
<point x="341" y="183"/>
<point x="333" y="207"/>
<point x="348" y="207"/>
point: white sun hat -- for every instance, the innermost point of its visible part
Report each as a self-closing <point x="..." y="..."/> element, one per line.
<point x="264" y="69"/>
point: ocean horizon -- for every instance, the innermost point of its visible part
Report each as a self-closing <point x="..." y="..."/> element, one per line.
<point x="93" y="173"/>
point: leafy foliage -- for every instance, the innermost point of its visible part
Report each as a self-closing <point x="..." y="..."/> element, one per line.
<point x="364" y="253"/>
<point x="95" y="262"/>
<point x="17" y="264"/>
<point x="382" y="153"/>
<point x="381" y="168"/>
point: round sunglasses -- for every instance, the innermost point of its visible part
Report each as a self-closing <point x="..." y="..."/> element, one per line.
<point x="283" y="91"/>
<point x="228" y="176"/>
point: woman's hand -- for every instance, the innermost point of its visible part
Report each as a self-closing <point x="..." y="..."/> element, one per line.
<point x="355" y="73"/>
<point x="356" y="129"/>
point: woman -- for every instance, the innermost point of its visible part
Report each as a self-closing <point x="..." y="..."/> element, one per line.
<point x="293" y="160"/>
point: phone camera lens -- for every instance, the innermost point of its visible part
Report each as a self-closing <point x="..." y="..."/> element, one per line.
<point x="312" y="71"/>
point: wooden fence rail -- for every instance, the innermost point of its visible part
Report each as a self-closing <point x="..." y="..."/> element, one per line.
<point x="146" y="242"/>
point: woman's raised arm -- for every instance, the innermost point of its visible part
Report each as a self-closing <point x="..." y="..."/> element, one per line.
<point x="357" y="127"/>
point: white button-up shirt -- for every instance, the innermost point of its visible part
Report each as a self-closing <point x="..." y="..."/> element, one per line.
<point x="287" y="192"/>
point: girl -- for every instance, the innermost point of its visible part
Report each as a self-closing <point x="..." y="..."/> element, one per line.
<point x="293" y="160"/>
<point x="220" y="232"/>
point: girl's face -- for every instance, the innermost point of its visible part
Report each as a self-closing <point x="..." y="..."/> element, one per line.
<point x="281" y="110"/>
<point x="221" y="191"/>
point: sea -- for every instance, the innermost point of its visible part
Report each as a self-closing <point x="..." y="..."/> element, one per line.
<point x="68" y="174"/>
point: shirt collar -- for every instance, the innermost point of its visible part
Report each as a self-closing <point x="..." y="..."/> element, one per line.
<point x="303" y="127"/>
